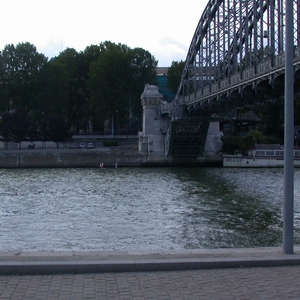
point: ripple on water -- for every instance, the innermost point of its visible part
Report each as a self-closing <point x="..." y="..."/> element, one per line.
<point x="141" y="209"/>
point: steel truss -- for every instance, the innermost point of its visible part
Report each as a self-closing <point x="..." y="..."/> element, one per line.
<point x="236" y="57"/>
<point x="186" y="137"/>
<point x="233" y="35"/>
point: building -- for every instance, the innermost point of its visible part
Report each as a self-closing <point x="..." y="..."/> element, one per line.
<point x="162" y="83"/>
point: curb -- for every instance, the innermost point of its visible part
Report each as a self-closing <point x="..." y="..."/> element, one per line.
<point x="151" y="265"/>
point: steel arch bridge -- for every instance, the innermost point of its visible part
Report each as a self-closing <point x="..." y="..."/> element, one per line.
<point x="236" y="58"/>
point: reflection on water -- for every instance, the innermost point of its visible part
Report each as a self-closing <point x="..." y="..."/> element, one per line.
<point x="142" y="209"/>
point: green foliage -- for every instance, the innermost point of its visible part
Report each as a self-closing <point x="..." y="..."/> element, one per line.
<point x="20" y="126"/>
<point x="77" y="106"/>
<point x="233" y="143"/>
<point x="256" y="136"/>
<point x="174" y="75"/>
<point x="271" y="114"/>
<point x="110" y="143"/>
<point x="19" y="69"/>
<point x="17" y="126"/>
<point x="104" y="81"/>
<point x="297" y="109"/>
<point x="116" y="80"/>
<point x="107" y="82"/>
<point x="57" y="128"/>
<point x="6" y="126"/>
<point x="52" y="89"/>
<point x="91" y="54"/>
<point x="143" y="70"/>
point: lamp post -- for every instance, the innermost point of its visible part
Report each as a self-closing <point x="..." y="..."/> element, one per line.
<point x="288" y="206"/>
<point x="42" y="130"/>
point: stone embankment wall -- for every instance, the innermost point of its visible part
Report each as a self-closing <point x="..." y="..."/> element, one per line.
<point x="68" y="158"/>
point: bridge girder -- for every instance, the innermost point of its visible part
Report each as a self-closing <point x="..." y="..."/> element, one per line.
<point x="187" y="137"/>
<point x="234" y="38"/>
<point x="259" y="90"/>
<point x="236" y="58"/>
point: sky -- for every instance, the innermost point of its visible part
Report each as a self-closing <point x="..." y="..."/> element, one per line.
<point x="165" y="28"/>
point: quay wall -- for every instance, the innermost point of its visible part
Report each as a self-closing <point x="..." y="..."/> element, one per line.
<point x="90" y="158"/>
<point x="68" y="159"/>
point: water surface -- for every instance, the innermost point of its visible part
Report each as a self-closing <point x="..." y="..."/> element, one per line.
<point x="142" y="208"/>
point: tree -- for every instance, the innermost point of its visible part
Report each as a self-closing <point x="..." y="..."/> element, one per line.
<point x="297" y="109"/>
<point x="143" y="70"/>
<point x="15" y="126"/>
<point x="257" y="137"/>
<point x="174" y="75"/>
<point x="271" y="117"/>
<point x="20" y="67"/>
<point x="52" y="90"/>
<point x="20" y="126"/>
<point x="108" y="82"/>
<point x="77" y="105"/>
<point x="117" y="79"/>
<point x="90" y="54"/>
<point x="6" y="127"/>
<point x="58" y="129"/>
<point x="103" y="82"/>
<point x="233" y="143"/>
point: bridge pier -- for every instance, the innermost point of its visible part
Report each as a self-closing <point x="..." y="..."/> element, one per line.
<point x="213" y="143"/>
<point x="180" y="141"/>
<point x="152" y="138"/>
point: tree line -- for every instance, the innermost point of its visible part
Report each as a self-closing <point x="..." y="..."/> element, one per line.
<point x="51" y="99"/>
<point x="42" y="99"/>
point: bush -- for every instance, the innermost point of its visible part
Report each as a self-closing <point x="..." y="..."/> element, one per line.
<point x="233" y="143"/>
<point x="109" y="143"/>
<point x="230" y="144"/>
<point x="256" y="137"/>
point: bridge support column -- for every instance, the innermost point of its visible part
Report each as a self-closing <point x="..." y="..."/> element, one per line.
<point x="151" y="139"/>
<point x="213" y="143"/>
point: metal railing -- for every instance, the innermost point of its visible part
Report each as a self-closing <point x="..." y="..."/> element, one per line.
<point x="247" y="76"/>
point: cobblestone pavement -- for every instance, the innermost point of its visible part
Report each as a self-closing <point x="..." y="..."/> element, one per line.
<point x="238" y="283"/>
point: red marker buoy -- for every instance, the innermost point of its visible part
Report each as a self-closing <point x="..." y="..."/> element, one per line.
<point x="101" y="165"/>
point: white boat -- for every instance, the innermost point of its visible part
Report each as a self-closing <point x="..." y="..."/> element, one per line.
<point x="262" y="156"/>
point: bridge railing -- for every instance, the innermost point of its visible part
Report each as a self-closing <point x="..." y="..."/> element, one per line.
<point x="166" y="107"/>
<point x="247" y="76"/>
<point x="261" y="70"/>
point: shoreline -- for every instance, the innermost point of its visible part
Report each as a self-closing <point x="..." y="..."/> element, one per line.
<point x="69" y="158"/>
<point x="120" y="156"/>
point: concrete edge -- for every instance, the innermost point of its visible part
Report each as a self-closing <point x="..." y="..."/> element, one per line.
<point x="144" y="265"/>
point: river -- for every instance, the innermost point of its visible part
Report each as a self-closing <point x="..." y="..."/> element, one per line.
<point x="142" y="208"/>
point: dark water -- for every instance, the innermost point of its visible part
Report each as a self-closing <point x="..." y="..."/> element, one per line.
<point x="142" y="209"/>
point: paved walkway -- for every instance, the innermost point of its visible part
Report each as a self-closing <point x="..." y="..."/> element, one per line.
<point x="260" y="273"/>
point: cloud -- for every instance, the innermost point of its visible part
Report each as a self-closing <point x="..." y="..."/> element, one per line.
<point x="172" y="44"/>
<point x="168" y="50"/>
<point x="52" y="47"/>
<point x="52" y="26"/>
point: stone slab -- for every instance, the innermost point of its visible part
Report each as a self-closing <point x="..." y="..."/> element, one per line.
<point x="74" y="262"/>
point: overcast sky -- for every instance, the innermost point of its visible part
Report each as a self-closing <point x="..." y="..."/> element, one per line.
<point x="163" y="27"/>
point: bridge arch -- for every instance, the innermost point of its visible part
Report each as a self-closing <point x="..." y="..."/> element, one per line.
<point x="236" y="58"/>
<point x="234" y="42"/>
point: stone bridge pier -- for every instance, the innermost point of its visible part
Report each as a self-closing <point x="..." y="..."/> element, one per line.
<point x="153" y="138"/>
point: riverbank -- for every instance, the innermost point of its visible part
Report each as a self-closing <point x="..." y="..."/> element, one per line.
<point x="77" y="158"/>
<point x="71" y="155"/>
<point x="62" y="158"/>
